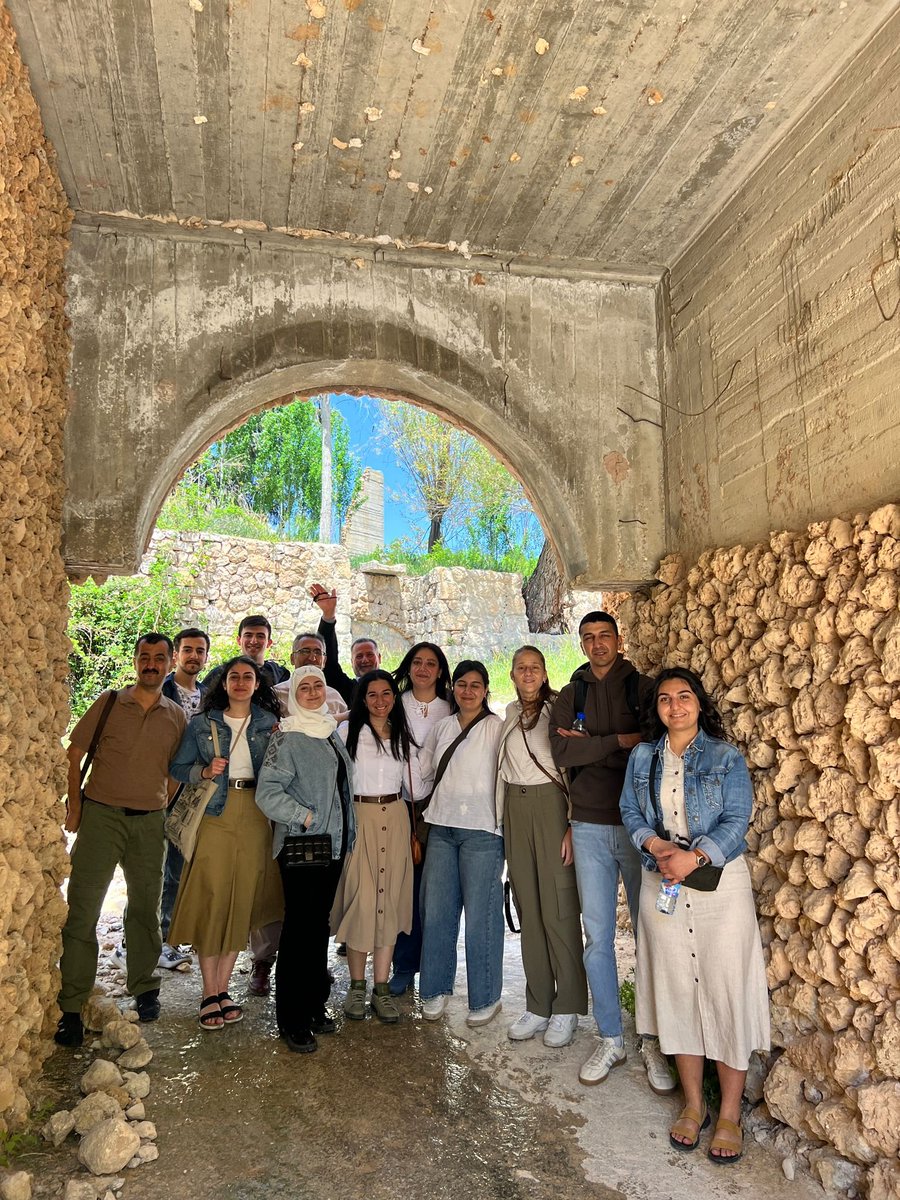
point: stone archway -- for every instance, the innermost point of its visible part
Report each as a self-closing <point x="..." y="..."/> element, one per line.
<point x="194" y="336"/>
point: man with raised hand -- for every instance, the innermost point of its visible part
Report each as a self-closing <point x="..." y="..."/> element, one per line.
<point x="603" y="703"/>
<point x="364" y="653"/>
<point x="119" y="821"/>
<point x="308" y="650"/>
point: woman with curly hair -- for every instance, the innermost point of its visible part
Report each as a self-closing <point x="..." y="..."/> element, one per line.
<point x="231" y="885"/>
<point x="423" y="680"/>
<point x="700" y="982"/>
<point x="374" y="896"/>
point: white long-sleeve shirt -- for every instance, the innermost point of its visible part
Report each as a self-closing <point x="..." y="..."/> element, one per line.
<point x="377" y="773"/>
<point x="465" y="795"/>
<point x="421" y="718"/>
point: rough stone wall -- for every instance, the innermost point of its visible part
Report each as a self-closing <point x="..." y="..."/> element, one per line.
<point x="798" y="638"/>
<point x="783" y="352"/>
<point x="34" y="348"/>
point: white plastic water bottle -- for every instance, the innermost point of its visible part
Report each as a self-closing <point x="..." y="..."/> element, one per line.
<point x="667" y="897"/>
<point x="578" y="725"/>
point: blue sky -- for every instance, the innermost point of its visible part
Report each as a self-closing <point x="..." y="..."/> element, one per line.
<point x="361" y="413"/>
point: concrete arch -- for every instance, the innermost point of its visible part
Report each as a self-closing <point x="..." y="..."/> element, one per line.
<point x="177" y="342"/>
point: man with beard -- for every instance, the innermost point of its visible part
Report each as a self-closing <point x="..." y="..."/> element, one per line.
<point x="119" y="821"/>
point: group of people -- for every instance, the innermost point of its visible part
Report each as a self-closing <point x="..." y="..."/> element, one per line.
<point x="379" y="808"/>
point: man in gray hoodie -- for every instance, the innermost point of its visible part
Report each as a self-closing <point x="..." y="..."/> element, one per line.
<point x="603" y="701"/>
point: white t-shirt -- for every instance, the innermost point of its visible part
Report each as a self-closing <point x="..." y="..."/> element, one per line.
<point x="465" y="795"/>
<point x="240" y="765"/>
<point x="421" y="718"/>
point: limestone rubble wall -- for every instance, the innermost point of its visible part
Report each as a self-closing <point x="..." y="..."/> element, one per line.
<point x="34" y="350"/>
<point x="799" y="640"/>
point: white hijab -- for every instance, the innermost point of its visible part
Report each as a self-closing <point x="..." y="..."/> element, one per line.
<point x="314" y="722"/>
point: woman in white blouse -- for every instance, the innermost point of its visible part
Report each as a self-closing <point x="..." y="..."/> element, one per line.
<point x="374" y="896"/>
<point x="464" y="865"/>
<point x="539" y="860"/>
<point x="423" y="680"/>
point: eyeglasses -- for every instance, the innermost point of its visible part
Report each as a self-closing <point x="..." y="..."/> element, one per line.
<point x="306" y="652"/>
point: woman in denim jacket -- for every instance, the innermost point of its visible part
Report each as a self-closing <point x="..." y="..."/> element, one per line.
<point x="230" y="885"/>
<point x="700" y="977"/>
<point x="306" y="787"/>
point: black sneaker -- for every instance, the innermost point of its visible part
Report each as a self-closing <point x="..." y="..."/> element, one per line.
<point x="147" y="1005"/>
<point x="301" y="1041"/>
<point x="323" y="1024"/>
<point x="69" y="1031"/>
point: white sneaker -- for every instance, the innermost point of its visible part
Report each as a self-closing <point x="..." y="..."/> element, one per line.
<point x="658" y="1074"/>
<point x="119" y="958"/>
<point x="527" y="1026"/>
<point x="483" y="1016"/>
<point x="561" y="1030"/>
<point x="607" y="1055"/>
<point x="434" y="1009"/>
<point x="171" y="959"/>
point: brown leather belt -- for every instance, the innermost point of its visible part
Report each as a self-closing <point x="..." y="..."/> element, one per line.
<point x="377" y="799"/>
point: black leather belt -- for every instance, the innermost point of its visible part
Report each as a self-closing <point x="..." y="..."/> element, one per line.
<point x="242" y="783"/>
<point x="129" y="812"/>
<point x="377" y="799"/>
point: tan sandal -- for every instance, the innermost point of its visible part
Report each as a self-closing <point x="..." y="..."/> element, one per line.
<point x="728" y="1137"/>
<point x="688" y="1125"/>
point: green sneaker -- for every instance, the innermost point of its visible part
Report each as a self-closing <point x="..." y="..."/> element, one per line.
<point x="384" y="1005"/>
<point x="355" y="1001"/>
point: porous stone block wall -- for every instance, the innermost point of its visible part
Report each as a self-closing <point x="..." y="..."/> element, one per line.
<point x="34" y="349"/>
<point x="798" y="638"/>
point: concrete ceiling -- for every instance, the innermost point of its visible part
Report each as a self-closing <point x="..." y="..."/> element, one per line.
<point x="602" y="130"/>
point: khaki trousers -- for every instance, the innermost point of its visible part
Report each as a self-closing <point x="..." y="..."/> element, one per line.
<point x="546" y="896"/>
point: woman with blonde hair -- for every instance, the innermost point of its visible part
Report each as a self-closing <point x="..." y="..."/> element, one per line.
<point x="539" y="860"/>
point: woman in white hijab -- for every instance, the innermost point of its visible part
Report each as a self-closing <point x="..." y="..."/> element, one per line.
<point x="306" y="787"/>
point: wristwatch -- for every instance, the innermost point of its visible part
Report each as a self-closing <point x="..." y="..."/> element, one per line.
<point x="701" y="858"/>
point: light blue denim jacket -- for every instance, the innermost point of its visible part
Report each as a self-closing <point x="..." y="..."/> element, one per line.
<point x="718" y="798"/>
<point x="196" y="750"/>
<point x="299" y="777"/>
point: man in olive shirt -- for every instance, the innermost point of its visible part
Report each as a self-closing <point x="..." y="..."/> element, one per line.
<point x="120" y="821"/>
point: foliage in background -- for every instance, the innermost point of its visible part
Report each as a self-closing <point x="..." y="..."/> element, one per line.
<point x="272" y="466"/>
<point x="105" y="621"/>
<point x="191" y="507"/>
<point x="472" y="557"/>
<point x="469" y="500"/>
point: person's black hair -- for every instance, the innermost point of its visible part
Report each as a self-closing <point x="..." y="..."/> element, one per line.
<point x="592" y="618"/>
<point x="217" y="697"/>
<point x="255" y="621"/>
<point x="358" y="641"/>
<point x="709" y="719"/>
<point x="401" y="738"/>
<point x="441" y="684"/>
<point x="463" y="668"/>
<point x="545" y="693"/>
<point x="191" y="633"/>
<point x="298" y="637"/>
<point x="153" y="639"/>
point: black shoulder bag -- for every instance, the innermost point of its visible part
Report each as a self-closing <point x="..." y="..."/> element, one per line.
<point x="701" y="879"/>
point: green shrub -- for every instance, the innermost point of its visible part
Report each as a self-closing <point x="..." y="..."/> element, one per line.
<point x="474" y="559"/>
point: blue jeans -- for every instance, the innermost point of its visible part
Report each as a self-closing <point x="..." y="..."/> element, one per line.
<point x="463" y="869"/>
<point x="602" y="853"/>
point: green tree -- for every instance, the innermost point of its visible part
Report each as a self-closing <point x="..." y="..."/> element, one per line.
<point x="499" y="519"/>
<point x="273" y="465"/>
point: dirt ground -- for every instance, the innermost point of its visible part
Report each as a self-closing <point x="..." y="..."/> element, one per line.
<point x="394" y="1112"/>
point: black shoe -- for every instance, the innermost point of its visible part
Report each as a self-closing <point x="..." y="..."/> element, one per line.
<point x="323" y="1024"/>
<point x="147" y="1005"/>
<point x="341" y="950"/>
<point x="69" y="1031"/>
<point x="301" y="1041"/>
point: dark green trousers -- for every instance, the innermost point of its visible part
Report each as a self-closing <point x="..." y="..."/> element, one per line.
<point x="108" y="838"/>
<point x="546" y="895"/>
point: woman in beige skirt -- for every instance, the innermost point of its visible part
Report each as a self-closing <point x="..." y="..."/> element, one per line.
<point x="700" y="978"/>
<point x="374" y="897"/>
<point x="231" y="884"/>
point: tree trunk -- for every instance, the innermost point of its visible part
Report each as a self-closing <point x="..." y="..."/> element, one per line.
<point x="325" y="506"/>
<point x="545" y="592"/>
<point x="434" y="533"/>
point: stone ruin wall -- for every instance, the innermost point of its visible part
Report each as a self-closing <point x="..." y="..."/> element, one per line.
<point x="34" y="350"/>
<point x="468" y="613"/>
<point x="798" y="638"/>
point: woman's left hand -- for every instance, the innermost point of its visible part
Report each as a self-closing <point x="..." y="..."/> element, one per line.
<point x="678" y="865"/>
<point x="565" y="852"/>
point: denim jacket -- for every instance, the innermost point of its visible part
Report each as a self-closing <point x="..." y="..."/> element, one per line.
<point x="718" y="798"/>
<point x="299" y="778"/>
<point x="196" y="750"/>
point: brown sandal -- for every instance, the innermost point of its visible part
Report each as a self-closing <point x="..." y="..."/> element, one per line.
<point x="689" y="1124"/>
<point x="728" y="1137"/>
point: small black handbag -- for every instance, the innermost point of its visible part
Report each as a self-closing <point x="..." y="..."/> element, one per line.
<point x="312" y="850"/>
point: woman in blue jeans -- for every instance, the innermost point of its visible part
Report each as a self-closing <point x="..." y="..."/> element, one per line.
<point x="464" y="864"/>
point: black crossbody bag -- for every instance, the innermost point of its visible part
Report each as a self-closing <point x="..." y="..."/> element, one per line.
<point x="702" y="879"/>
